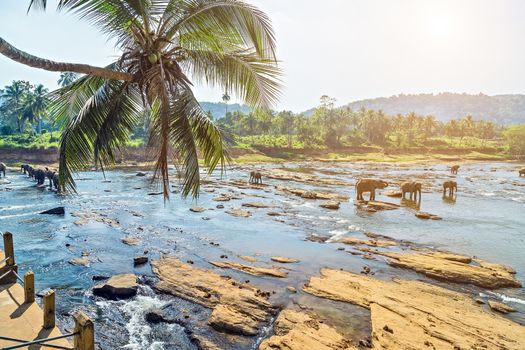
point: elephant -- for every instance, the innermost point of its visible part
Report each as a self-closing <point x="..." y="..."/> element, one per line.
<point x="412" y="187"/>
<point x="50" y="175"/>
<point x="40" y="176"/>
<point x="255" y="177"/>
<point x="30" y="171"/>
<point x="2" y="168"/>
<point x="452" y="187"/>
<point x="369" y="185"/>
<point x="454" y="169"/>
<point x="24" y="168"/>
<point x="56" y="183"/>
<point x="522" y="172"/>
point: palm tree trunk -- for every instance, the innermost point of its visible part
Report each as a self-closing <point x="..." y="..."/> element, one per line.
<point x="19" y="56"/>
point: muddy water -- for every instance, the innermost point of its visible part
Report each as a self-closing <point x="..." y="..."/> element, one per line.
<point x="487" y="220"/>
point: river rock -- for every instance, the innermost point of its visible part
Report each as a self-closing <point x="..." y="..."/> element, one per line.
<point x="251" y="270"/>
<point x="450" y="268"/>
<point x="289" y="175"/>
<point x="157" y="316"/>
<point x="239" y="213"/>
<point x="140" y="260"/>
<point x="79" y="262"/>
<point x="296" y="330"/>
<point x="234" y="310"/>
<point x="141" y="173"/>
<point x="312" y="194"/>
<point x="371" y="242"/>
<point x="283" y="260"/>
<point x="131" y="240"/>
<point x="500" y="307"/>
<point x="416" y="315"/>
<point x="394" y="194"/>
<point x="197" y="209"/>
<point x="55" y="211"/>
<point x="117" y="287"/>
<point x="334" y="205"/>
<point x="248" y="258"/>
<point x="257" y="205"/>
<point x="425" y="216"/>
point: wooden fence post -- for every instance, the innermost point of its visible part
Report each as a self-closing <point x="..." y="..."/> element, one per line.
<point x="49" y="309"/>
<point x="85" y="339"/>
<point x="29" y="287"/>
<point x="9" y="249"/>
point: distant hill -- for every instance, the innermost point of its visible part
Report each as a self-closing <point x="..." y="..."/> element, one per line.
<point x="503" y="109"/>
<point x="218" y="109"/>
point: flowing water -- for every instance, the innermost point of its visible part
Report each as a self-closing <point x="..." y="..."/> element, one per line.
<point x="486" y="220"/>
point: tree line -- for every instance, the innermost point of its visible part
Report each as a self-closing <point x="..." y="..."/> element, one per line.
<point x="329" y="126"/>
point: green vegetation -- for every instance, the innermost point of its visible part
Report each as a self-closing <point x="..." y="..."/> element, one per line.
<point x="229" y="45"/>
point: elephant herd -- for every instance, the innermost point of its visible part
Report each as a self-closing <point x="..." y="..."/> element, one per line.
<point x="412" y="188"/>
<point x="40" y="176"/>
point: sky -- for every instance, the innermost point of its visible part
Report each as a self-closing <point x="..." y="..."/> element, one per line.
<point x="347" y="49"/>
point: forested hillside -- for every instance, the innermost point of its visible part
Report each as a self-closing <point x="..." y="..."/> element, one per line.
<point x="502" y="109"/>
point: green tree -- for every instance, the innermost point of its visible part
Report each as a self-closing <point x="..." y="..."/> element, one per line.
<point x="67" y="78"/>
<point x="515" y="137"/>
<point x="13" y="97"/>
<point x="35" y="104"/>
<point x="227" y="44"/>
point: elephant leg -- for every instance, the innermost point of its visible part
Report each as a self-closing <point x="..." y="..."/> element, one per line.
<point x="372" y="195"/>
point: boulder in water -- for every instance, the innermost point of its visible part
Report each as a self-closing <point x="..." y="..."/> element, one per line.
<point x="117" y="287"/>
<point x="55" y="211"/>
<point x="140" y="173"/>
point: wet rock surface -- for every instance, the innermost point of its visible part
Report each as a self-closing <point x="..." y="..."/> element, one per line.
<point x="416" y="315"/>
<point x="117" y="287"/>
<point x="252" y="270"/>
<point x="234" y="310"/>
<point x="295" y="330"/>
<point x="455" y="269"/>
<point x="283" y="260"/>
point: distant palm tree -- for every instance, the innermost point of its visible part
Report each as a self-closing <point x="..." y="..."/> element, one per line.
<point x="35" y="106"/>
<point x="13" y="98"/>
<point x="225" y="99"/>
<point x="67" y="78"/>
<point x="165" y="45"/>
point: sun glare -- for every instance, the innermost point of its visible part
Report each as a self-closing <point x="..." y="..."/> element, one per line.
<point x="440" y="26"/>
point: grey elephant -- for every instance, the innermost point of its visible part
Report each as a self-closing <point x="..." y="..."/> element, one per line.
<point x="369" y="185"/>
<point x="451" y="186"/>
<point x="522" y="172"/>
<point x="2" y="168"/>
<point x="454" y="169"/>
<point x="413" y="188"/>
<point x="255" y="177"/>
<point x="40" y="176"/>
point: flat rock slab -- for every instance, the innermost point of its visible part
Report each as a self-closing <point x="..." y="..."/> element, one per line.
<point x="500" y="307"/>
<point x="283" y="260"/>
<point x="117" y="287"/>
<point x="334" y="205"/>
<point x="86" y="216"/>
<point x="370" y="242"/>
<point x="131" y="240"/>
<point x="450" y="268"/>
<point x="197" y="209"/>
<point x="239" y="213"/>
<point x="289" y="175"/>
<point x="79" y="261"/>
<point x="251" y="270"/>
<point x="312" y="194"/>
<point x="425" y="216"/>
<point x="257" y="205"/>
<point x="237" y="308"/>
<point x="416" y="315"/>
<point x="296" y="330"/>
<point x="55" y="211"/>
<point x="248" y="258"/>
<point x="394" y="194"/>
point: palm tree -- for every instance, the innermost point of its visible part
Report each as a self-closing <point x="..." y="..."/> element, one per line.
<point x="226" y="99"/>
<point x="35" y="106"/>
<point x="165" y="46"/>
<point x="13" y="96"/>
<point x="67" y="78"/>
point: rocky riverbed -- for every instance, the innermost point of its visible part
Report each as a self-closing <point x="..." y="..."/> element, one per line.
<point x="294" y="263"/>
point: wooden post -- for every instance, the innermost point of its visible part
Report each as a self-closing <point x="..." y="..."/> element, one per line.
<point x="85" y="339"/>
<point x="9" y="249"/>
<point x="49" y="309"/>
<point x="29" y="287"/>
